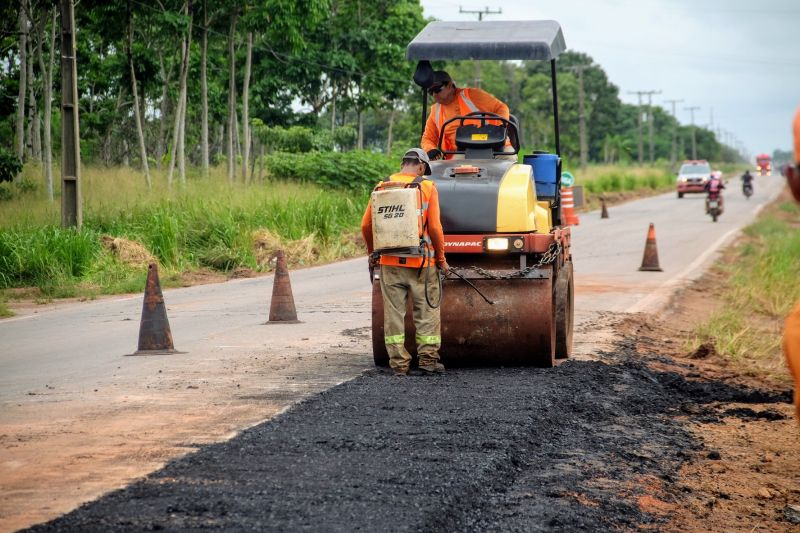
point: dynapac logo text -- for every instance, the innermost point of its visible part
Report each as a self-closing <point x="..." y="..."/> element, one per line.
<point x="462" y="243"/>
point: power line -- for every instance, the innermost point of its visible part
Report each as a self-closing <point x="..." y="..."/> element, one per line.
<point x="480" y="13"/>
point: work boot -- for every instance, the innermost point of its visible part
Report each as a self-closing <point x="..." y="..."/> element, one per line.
<point x="435" y="368"/>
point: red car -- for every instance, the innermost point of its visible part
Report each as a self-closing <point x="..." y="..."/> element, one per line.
<point x="693" y="176"/>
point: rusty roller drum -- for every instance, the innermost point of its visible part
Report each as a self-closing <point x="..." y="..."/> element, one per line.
<point x="519" y="329"/>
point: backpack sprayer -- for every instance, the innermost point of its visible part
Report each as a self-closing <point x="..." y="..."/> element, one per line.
<point x="398" y="224"/>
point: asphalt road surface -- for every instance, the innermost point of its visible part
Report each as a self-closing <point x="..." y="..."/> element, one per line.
<point x="503" y="449"/>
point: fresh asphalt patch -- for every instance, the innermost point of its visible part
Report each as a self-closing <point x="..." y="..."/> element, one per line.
<point x="577" y="447"/>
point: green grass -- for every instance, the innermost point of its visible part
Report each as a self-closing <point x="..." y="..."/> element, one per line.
<point x="205" y="223"/>
<point x="762" y="285"/>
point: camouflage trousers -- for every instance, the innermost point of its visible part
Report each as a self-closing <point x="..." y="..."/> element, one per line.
<point x="398" y="284"/>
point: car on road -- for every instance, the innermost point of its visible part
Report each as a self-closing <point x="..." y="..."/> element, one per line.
<point x="693" y="176"/>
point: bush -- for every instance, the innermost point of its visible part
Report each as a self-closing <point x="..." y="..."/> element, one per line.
<point x="10" y="165"/>
<point x="358" y="170"/>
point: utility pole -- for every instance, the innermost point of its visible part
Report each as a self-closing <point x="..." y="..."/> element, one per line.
<point x="582" y="114"/>
<point x="673" y="154"/>
<point x="639" y="124"/>
<point x="694" y="141"/>
<point x="71" y="213"/>
<point x="650" y="124"/>
<point x="481" y="13"/>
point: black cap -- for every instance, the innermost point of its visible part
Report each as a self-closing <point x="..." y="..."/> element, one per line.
<point x="440" y="76"/>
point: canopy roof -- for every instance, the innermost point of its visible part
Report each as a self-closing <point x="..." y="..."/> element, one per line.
<point x="495" y="39"/>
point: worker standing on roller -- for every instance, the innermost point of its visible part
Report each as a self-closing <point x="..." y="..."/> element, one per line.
<point x="451" y="101"/>
<point x="412" y="274"/>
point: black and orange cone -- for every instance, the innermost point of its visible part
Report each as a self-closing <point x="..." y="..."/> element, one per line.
<point x="155" y="337"/>
<point x="650" y="259"/>
<point x="281" y="308"/>
<point x="604" y="210"/>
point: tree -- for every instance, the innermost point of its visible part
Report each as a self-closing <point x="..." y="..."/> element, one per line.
<point x="136" y="109"/>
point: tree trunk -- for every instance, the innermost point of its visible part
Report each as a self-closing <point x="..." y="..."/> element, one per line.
<point x="184" y="98"/>
<point x="161" y="142"/>
<point x="232" y="98"/>
<point x="333" y="108"/>
<point x="47" y="95"/>
<point x="204" y="94"/>
<point x="360" y="143"/>
<point x="389" y="133"/>
<point x="31" y="142"/>
<point x="136" y="110"/>
<point x="23" y="77"/>
<point x="246" y="109"/>
<point x="176" y="129"/>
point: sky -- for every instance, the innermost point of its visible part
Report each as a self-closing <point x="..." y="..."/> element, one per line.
<point x="737" y="60"/>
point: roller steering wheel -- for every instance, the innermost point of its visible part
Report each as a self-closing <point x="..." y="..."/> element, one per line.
<point x="483" y="117"/>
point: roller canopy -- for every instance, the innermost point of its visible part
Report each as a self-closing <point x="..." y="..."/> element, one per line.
<point x="496" y="39"/>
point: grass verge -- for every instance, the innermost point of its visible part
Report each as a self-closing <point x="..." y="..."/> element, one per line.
<point x="760" y="285"/>
<point x="201" y="225"/>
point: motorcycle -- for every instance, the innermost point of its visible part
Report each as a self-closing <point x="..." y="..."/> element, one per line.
<point x="714" y="206"/>
<point x="747" y="190"/>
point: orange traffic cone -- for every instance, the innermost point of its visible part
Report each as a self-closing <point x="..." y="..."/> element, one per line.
<point x="604" y="211"/>
<point x="650" y="259"/>
<point x="155" y="337"/>
<point x="281" y="309"/>
<point x="568" y="207"/>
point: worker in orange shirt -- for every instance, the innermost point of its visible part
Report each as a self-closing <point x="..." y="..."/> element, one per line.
<point x="414" y="275"/>
<point x="452" y="101"/>
<point x="791" y="330"/>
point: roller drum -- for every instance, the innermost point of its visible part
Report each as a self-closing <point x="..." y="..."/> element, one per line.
<point x="519" y="329"/>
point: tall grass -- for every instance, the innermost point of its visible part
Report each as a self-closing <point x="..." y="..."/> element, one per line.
<point x="599" y="179"/>
<point x="762" y="285"/>
<point x="203" y="223"/>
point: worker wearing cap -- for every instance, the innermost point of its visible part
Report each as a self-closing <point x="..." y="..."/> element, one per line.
<point x="791" y="330"/>
<point x="451" y="101"/>
<point x="402" y="276"/>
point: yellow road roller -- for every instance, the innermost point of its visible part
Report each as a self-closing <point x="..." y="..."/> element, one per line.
<point x="508" y="299"/>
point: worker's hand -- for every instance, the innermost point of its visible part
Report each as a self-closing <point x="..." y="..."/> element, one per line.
<point x="373" y="260"/>
<point x="444" y="268"/>
<point x="435" y="154"/>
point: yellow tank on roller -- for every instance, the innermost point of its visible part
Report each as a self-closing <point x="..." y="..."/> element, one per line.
<point x="517" y="207"/>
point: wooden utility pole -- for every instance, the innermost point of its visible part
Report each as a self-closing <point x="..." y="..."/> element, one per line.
<point x="582" y="114"/>
<point x="480" y="13"/>
<point x="650" y="121"/>
<point x="673" y="153"/>
<point x="639" y="124"/>
<point x="71" y="212"/>
<point x="694" y="140"/>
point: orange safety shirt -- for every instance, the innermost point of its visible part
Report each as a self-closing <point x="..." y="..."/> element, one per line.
<point x="797" y="137"/>
<point x="791" y="349"/>
<point x="466" y="101"/>
<point x="432" y="226"/>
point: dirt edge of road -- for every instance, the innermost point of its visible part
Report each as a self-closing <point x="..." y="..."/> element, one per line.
<point x="746" y="476"/>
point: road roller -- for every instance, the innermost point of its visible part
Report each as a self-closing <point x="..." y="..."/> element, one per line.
<point x="508" y="299"/>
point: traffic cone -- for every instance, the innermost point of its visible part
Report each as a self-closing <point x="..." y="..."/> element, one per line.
<point x="604" y="211"/>
<point x="155" y="337"/>
<point x="281" y="308"/>
<point x="650" y="259"/>
<point x="568" y="207"/>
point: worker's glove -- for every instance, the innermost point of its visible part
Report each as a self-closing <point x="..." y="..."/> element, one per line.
<point x="373" y="260"/>
<point x="435" y="154"/>
<point x="444" y="268"/>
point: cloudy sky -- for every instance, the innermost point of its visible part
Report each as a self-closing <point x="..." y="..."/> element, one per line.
<point x="738" y="60"/>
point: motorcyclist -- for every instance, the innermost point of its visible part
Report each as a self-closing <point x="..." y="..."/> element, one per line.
<point x="747" y="181"/>
<point x="714" y="188"/>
